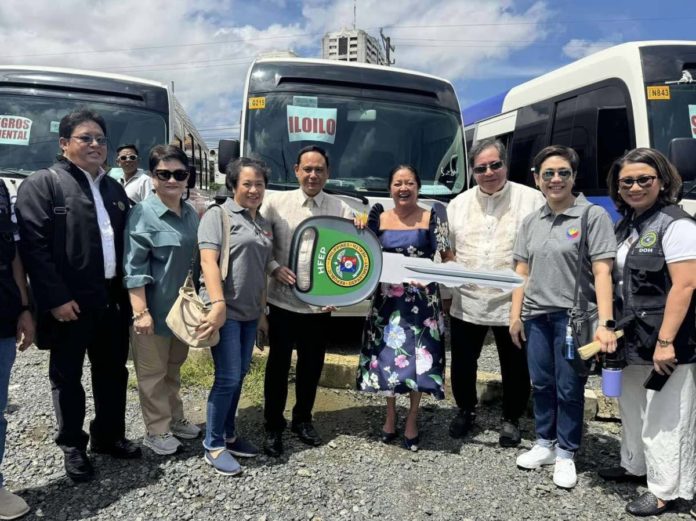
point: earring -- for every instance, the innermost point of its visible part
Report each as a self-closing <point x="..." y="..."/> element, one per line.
<point x="662" y="189"/>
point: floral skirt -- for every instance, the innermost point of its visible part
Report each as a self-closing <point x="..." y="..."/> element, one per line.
<point x="403" y="342"/>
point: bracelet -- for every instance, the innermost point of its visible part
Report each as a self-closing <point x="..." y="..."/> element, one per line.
<point x="140" y="314"/>
<point x="216" y="301"/>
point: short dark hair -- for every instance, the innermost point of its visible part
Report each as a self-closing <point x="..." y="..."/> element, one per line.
<point x="563" y="151"/>
<point x="76" y="118"/>
<point x="122" y="147"/>
<point x="410" y="168"/>
<point x="166" y="153"/>
<point x="234" y="168"/>
<point x="488" y="143"/>
<point x="313" y="148"/>
<point x="666" y="172"/>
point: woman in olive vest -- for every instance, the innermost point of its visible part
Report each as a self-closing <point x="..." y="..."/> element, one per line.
<point x="655" y="277"/>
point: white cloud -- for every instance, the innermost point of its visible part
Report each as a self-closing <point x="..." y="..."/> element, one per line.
<point x="203" y="48"/>
<point x="579" y="48"/>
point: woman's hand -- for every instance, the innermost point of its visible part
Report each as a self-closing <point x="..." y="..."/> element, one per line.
<point x="606" y="338"/>
<point x="664" y="359"/>
<point x="213" y="321"/>
<point x="143" y="325"/>
<point x="517" y="332"/>
<point x="360" y="220"/>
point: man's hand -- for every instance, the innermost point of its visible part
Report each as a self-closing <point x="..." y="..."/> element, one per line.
<point x="284" y="275"/>
<point x="664" y="359"/>
<point x="66" y="312"/>
<point x="26" y="330"/>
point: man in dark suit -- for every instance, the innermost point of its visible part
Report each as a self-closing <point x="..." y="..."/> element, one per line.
<point x="71" y="219"/>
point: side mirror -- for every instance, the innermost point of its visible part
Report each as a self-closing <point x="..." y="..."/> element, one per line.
<point x="228" y="150"/>
<point x="682" y="154"/>
<point x="191" y="183"/>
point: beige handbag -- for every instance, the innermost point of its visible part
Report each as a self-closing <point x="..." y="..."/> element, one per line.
<point x="188" y="310"/>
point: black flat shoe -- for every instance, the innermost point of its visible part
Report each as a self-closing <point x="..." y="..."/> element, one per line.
<point x="461" y="424"/>
<point x="273" y="443"/>
<point x="77" y="465"/>
<point x="411" y="443"/>
<point x="621" y="475"/>
<point x="306" y="433"/>
<point x="646" y="505"/>
<point x="121" y="449"/>
<point x="388" y="437"/>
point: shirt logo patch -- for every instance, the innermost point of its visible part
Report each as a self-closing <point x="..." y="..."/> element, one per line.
<point x="572" y="232"/>
<point x="648" y="239"/>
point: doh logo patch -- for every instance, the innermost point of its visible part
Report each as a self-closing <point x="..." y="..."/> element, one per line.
<point x="573" y="232"/>
<point x="648" y="239"/>
<point x="347" y="264"/>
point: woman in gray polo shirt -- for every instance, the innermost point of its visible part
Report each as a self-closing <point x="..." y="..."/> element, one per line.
<point x="546" y="254"/>
<point x="237" y="308"/>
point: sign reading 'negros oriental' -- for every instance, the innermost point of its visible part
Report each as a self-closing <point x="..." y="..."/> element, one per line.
<point x="311" y="124"/>
<point x="14" y="130"/>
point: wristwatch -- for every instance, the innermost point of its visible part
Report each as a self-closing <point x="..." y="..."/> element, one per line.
<point x="664" y="343"/>
<point x="24" y="307"/>
<point x="609" y="323"/>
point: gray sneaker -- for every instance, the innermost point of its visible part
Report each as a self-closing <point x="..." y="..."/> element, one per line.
<point x="510" y="434"/>
<point x="11" y="505"/>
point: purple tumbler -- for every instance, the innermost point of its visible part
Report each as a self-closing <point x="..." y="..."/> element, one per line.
<point x="611" y="381"/>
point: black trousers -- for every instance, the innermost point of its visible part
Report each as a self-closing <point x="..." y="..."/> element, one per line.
<point x="308" y="333"/>
<point x="467" y="342"/>
<point x="103" y="335"/>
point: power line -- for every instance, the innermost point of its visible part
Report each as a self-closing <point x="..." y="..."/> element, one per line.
<point x="576" y="21"/>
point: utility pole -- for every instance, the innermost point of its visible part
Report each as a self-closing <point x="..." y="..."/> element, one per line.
<point x="355" y="12"/>
<point x="388" y="47"/>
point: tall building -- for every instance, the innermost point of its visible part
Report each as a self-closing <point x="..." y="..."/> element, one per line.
<point x="352" y="45"/>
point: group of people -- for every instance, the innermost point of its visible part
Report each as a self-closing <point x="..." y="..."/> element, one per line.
<point x="105" y="271"/>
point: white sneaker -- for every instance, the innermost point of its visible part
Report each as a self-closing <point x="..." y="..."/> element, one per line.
<point x="564" y="475"/>
<point x="162" y="444"/>
<point x="536" y="457"/>
<point x="11" y="505"/>
<point x="184" y="429"/>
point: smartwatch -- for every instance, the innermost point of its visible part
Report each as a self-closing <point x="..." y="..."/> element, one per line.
<point x="609" y="324"/>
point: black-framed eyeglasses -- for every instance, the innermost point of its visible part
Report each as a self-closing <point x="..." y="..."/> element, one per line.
<point x="494" y="166"/>
<point x="88" y="140"/>
<point x="644" y="181"/>
<point x="131" y="157"/>
<point x="563" y="173"/>
<point x="166" y="175"/>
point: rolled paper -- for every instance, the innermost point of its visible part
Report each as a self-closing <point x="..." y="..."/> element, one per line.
<point x="589" y="350"/>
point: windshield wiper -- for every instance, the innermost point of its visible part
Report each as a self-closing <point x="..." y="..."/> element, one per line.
<point x="12" y="173"/>
<point x="348" y="193"/>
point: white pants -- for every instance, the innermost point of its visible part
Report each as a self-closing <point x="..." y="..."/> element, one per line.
<point x="659" y="430"/>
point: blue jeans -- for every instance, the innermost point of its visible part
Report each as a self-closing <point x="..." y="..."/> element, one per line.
<point x="558" y="390"/>
<point x="232" y="358"/>
<point x="8" y="351"/>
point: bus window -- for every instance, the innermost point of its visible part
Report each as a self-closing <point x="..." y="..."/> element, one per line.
<point x="529" y="137"/>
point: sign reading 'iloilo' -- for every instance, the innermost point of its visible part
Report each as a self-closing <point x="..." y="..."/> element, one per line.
<point x="311" y="124"/>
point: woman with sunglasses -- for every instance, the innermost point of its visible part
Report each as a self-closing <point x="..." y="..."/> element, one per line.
<point x="160" y="243"/>
<point x="546" y="254"/>
<point x="655" y="276"/>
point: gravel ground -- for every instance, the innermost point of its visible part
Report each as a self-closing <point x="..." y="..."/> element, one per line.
<point x="351" y="477"/>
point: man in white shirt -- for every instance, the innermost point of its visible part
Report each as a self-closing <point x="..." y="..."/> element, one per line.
<point x="293" y="323"/>
<point x="483" y="223"/>
<point x="136" y="182"/>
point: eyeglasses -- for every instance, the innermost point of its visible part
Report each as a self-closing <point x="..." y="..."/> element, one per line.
<point x="166" y="175"/>
<point x="563" y="173"/>
<point x="494" y="166"/>
<point x="88" y="140"/>
<point x="128" y="158"/>
<point x="644" y="181"/>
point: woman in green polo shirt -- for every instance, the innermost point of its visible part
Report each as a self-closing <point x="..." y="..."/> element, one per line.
<point x="546" y="253"/>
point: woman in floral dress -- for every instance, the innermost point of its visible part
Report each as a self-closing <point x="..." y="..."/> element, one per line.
<point x="403" y="343"/>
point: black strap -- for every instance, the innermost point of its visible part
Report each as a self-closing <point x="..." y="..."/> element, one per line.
<point x="59" y="221"/>
<point x="581" y="254"/>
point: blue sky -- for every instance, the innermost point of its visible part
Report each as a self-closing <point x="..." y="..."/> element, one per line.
<point x="205" y="46"/>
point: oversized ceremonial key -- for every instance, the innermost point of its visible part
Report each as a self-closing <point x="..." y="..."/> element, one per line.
<point x="339" y="265"/>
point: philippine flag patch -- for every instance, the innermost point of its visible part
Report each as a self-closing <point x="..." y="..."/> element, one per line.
<point x="572" y="232"/>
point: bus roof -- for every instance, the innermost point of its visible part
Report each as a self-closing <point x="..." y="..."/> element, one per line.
<point x="80" y="72"/>
<point x="616" y="61"/>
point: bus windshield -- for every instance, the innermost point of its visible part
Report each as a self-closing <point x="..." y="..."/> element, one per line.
<point x="673" y="117"/>
<point x="365" y="139"/>
<point x="29" y="130"/>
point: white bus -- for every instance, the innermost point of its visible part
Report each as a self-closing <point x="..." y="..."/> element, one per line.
<point x="369" y="118"/>
<point x="640" y="94"/>
<point x="136" y="111"/>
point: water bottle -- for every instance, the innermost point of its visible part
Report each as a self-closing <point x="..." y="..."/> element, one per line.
<point x="612" y="370"/>
<point x="569" y="344"/>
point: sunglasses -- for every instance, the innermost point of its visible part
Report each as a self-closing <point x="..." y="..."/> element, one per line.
<point x="128" y="158"/>
<point x="563" y="173"/>
<point x="88" y="140"/>
<point x="644" y="181"/>
<point x="494" y="166"/>
<point x="166" y="175"/>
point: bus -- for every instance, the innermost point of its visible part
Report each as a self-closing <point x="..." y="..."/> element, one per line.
<point x="142" y="112"/>
<point x="369" y="118"/>
<point x="638" y="94"/>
